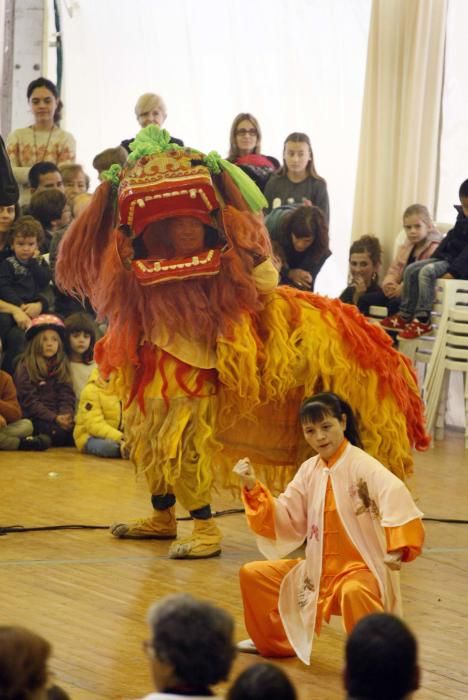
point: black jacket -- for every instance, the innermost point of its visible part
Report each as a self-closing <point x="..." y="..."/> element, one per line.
<point x="454" y="247"/>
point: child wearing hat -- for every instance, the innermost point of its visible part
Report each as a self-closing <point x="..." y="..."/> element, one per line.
<point x="43" y="381"/>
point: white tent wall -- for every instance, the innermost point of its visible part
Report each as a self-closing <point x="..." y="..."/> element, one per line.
<point x="453" y="168"/>
<point x="297" y="66"/>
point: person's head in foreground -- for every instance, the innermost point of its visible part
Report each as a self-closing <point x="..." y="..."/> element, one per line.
<point x="191" y="645"/>
<point x="381" y="659"/>
<point x="262" y="682"/>
<point x="24" y="659"/>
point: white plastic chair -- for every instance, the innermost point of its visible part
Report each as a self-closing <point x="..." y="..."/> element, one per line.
<point x="449" y="353"/>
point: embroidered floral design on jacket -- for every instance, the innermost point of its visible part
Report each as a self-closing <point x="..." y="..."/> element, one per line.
<point x="307" y="588"/>
<point x="368" y="505"/>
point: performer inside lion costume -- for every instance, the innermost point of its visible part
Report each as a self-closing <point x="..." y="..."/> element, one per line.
<point x="210" y="357"/>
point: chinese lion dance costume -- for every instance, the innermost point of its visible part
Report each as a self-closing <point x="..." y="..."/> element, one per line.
<point x="210" y="357"/>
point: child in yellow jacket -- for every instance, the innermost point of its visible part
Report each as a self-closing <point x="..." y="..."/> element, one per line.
<point x="98" y="424"/>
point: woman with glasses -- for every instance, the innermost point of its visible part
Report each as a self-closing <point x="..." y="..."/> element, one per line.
<point x="245" y="142"/>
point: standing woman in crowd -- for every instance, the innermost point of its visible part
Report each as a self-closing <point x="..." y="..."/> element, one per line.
<point x="302" y="235"/>
<point x="297" y="182"/>
<point x="245" y="145"/>
<point x="42" y="141"/>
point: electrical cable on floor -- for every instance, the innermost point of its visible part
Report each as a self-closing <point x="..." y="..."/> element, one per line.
<point x="10" y="529"/>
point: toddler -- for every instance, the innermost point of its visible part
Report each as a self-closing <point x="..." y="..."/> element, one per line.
<point x="24" y="287"/>
<point x="80" y="337"/>
<point x="99" y="427"/>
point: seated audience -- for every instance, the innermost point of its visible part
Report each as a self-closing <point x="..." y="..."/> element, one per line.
<point x="80" y="338"/>
<point x="75" y="181"/>
<point x="24" y="666"/>
<point x="45" y="176"/>
<point x="302" y="234"/>
<point x="51" y="209"/>
<point x="99" y="421"/>
<point x="381" y="660"/>
<point x="191" y="646"/>
<point x="421" y="241"/>
<point x="245" y="145"/>
<point x="24" y="285"/>
<point x="365" y="261"/>
<point x="8" y="213"/>
<point x="448" y="261"/>
<point x="262" y="682"/>
<point x="16" y="433"/>
<point x="150" y="109"/>
<point x="43" y="381"/>
<point x="297" y="182"/>
<point x="110" y="156"/>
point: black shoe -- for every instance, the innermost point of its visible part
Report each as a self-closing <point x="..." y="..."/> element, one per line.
<point x="36" y="443"/>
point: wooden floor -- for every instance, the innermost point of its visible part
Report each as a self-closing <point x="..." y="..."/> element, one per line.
<point x="88" y="593"/>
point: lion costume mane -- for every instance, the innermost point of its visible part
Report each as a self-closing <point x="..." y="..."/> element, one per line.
<point x="211" y="359"/>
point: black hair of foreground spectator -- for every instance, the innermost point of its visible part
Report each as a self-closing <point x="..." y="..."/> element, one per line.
<point x="194" y="637"/>
<point x="381" y="659"/>
<point x="262" y="682"/>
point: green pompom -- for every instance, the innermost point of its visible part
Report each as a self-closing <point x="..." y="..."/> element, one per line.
<point x="112" y="174"/>
<point x="213" y="162"/>
<point x="150" y="140"/>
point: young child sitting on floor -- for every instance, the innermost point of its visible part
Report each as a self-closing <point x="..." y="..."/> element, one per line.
<point x="43" y="381"/>
<point x="359" y="522"/>
<point x="99" y="421"/>
<point x="80" y="337"/>
<point x="448" y="261"/>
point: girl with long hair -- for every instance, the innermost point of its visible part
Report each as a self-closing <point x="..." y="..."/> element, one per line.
<point x="43" y="140"/>
<point x="298" y="182"/>
<point x="43" y="381"/>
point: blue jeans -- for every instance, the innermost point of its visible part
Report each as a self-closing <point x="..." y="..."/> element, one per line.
<point x="101" y="447"/>
<point x="419" y="281"/>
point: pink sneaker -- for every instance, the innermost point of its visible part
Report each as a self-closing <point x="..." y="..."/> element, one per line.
<point x="394" y="323"/>
<point x="415" y="329"/>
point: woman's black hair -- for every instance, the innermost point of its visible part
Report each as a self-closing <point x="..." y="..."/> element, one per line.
<point x="51" y="87"/>
<point x="319" y="406"/>
<point x="262" y="681"/>
<point x="306" y="221"/>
